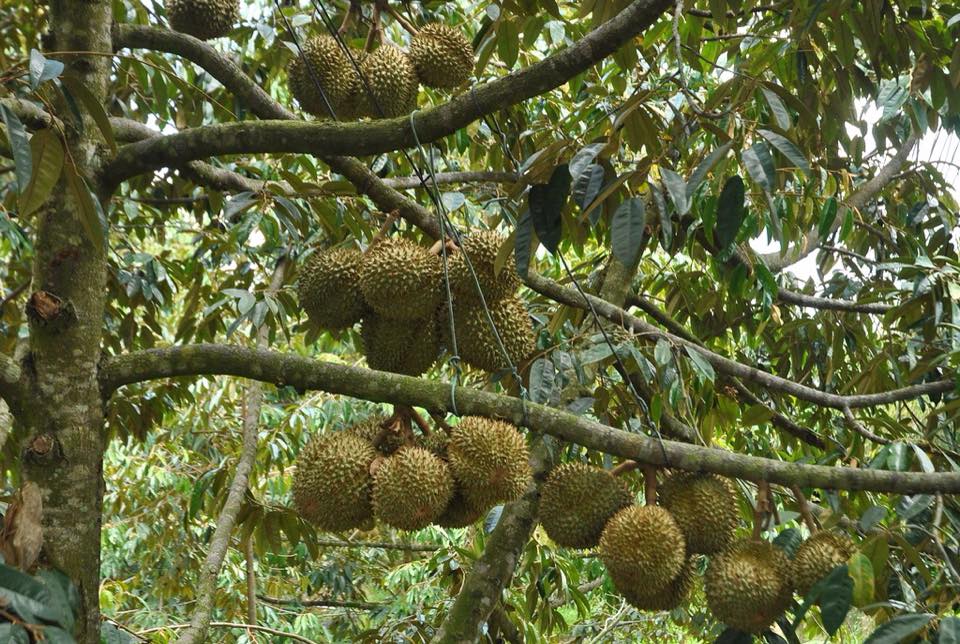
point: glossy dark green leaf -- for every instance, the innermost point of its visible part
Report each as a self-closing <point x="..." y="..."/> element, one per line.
<point x="789" y="540"/>
<point x="546" y="205"/>
<point x="899" y="628"/>
<point x="949" y="631"/>
<point x="523" y="245"/>
<point x="79" y="91"/>
<point x="627" y="230"/>
<point x="780" y="113"/>
<point x="543" y="377"/>
<point x="759" y="163"/>
<point x="88" y="210"/>
<point x="787" y="149"/>
<point x="20" y="145"/>
<point x="663" y="352"/>
<point x="677" y="189"/>
<point x="700" y="174"/>
<point x="587" y="186"/>
<point x="700" y="364"/>
<point x="835" y="597"/>
<point x="828" y="214"/>
<point x="47" y="152"/>
<point x="731" y="212"/>
<point x="492" y="519"/>
<point x="584" y="158"/>
<point x="42" y="69"/>
<point x="860" y="570"/>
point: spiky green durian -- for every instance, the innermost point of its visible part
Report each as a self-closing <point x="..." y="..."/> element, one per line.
<point x="668" y="598"/>
<point x="816" y="557"/>
<point x="460" y="511"/>
<point x="436" y="443"/>
<point x="322" y="69"/>
<point x="400" y="280"/>
<point x="329" y="288"/>
<point x="489" y="459"/>
<point x="705" y="508"/>
<point x="392" y="85"/>
<point x="577" y="501"/>
<point x="332" y="483"/>
<point x="441" y="55"/>
<point x="642" y="547"/>
<point x="477" y="343"/>
<point x="747" y="585"/>
<point x="411" y="489"/>
<point x="482" y="249"/>
<point x="203" y="19"/>
<point x="372" y="428"/>
<point x="399" y="346"/>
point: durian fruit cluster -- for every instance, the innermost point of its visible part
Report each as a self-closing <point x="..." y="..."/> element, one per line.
<point x="651" y="551"/>
<point x="389" y="78"/>
<point x="396" y="290"/>
<point x="203" y="19"/>
<point x="372" y="472"/>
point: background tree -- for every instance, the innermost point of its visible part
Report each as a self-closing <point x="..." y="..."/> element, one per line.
<point x="160" y="192"/>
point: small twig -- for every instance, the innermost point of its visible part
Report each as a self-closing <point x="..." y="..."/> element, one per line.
<point x="251" y="580"/>
<point x="380" y="545"/>
<point x="624" y="467"/>
<point x="858" y="427"/>
<point x="441" y="422"/>
<point x="392" y="217"/>
<point x="804" y="508"/>
<point x="761" y="509"/>
<point x="373" y="35"/>
<point x="326" y="603"/>
<point x="12" y="295"/>
<point x="650" y="484"/>
<point x="352" y="12"/>
<point x="421" y="423"/>
<point x="406" y="24"/>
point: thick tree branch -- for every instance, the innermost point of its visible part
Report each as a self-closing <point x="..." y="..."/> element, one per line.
<point x="385" y="135"/>
<point x="304" y="373"/>
<point x="9" y="380"/>
<point x="32" y="115"/>
<point x="220" y="542"/>
<point x="728" y="367"/>
<point x="860" y="197"/>
<point x="492" y="572"/>
<point x="322" y="603"/>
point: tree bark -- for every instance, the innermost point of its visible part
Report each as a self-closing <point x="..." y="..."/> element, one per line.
<point x="62" y="406"/>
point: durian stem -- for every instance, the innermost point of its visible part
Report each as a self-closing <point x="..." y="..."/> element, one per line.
<point x="624" y="467"/>
<point x="650" y="485"/>
<point x="406" y="24"/>
<point x="373" y="36"/>
<point x="804" y="509"/>
<point x="761" y="509"/>
<point x="421" y="423"/>
<point x="441" y="422"/>
<point x="352" y="13"/>
<point x="392" y="217"/>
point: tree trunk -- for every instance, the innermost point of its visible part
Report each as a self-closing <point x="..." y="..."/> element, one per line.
<point x="64" y="409"/>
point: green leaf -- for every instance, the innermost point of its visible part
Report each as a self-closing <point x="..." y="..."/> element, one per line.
<point x="949" y="631"/>
<point x="587" y="186"/>
<point x="828" y="214"/>
<point x="666" y="225"/>
<point x="546" y="205"/>
<point x="663" y="353"/>
<point x="627" y="230"/>
<point x="759" y="164"/>
<point x="755" y="415"/>
<point x="110" y="634"/>
<point x="522" y="246"/>
<point x="583" y="159"/>
<point x="20" y="146"/>
<point x="899" y="628"/>
<point x="677" y="189"/>
<point x="872" y="516"/>
<point x="861" y="573"/>
<point x="730" y="211"/>
<point x="789" y="541"/>
<point x="41" y="69"/>
<point x="788" y="149"/>
<point x="88" y="209"/>
<point x="47" y="152"/>
<point x="780" y="113"/>
<point x="767" y="280"/>
<point x="13" y="634"/>
<point x="704" y="368"/>
<point x="78" y="90"/>
<point x="700" y="174"/>
<point x="835" y="598"/>
<point x="542" y="380"/>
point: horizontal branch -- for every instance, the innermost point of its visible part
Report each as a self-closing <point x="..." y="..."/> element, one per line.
<point x="379" y="545"/>
<point x="728" y="367"/>
<point x="324" y="138"/>
<point x="325" y="603"/>
<point x="826" y="303"/>
<point x="30" y="114"/>
<point x="307" y="374"/>
<point x="240" y="625"/>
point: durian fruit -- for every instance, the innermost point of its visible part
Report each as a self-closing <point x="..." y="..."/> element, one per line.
<point x="642" y="547"/>
<point x="441" y="55"/>
<point x="399" y="346"/>
<point x="436" y="443"/>
<point x="400" y="280"/>
<point x="411" y="489"/>
<point x="203" y="19"/>
<point x="477" y="343"/>
<point x="670" y="597"/>
<point x="482" y="249"/>
<point x="705" y="508"/>
<point x="392" y="82"/>
<point x="460" y="512"/>
<point x="489" y="459"/>
<point x="322" y="64"/>
<point x="329" y="288"/>
<point x="816" y="557"/>
<point x="577" y="501"/>
<point x="748" y="586"/>
<point x="332" y="483"/>
<point x="370" y="429"/>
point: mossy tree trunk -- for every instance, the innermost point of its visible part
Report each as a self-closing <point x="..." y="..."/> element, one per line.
<point x="63" y="409"/>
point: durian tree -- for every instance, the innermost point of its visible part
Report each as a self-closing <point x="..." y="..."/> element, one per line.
<point x="685" y="271"/>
